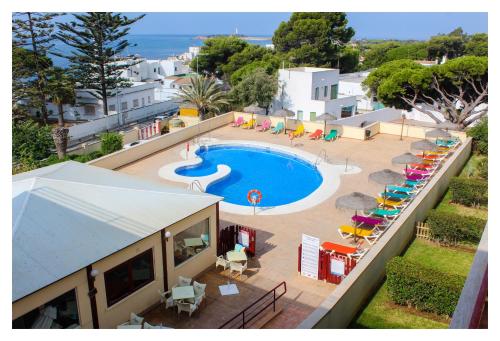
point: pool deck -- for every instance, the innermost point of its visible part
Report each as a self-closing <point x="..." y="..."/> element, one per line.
<point x="278" y="236"/>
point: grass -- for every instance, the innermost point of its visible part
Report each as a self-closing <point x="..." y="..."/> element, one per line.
<point x="382" y="313"/>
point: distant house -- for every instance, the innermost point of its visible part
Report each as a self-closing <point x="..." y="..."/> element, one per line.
<point x="310" y="92"/>
<point x="91" y="245"/>
<point x="350" y="84"/>
<point x="155" y="69"/>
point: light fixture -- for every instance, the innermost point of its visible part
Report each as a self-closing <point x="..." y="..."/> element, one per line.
<point x="168" y="234"/>
<point x="94" y="273"/>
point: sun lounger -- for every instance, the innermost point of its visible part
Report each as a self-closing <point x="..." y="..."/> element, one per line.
<point x="388" y="214"/>
<point x="415" y="183"/>
<point x="401" y="189"/>
<point x="396" y="195"/>
<point x="371" y="236"/>
<point x="366" y="220"/>
<point x="391" y="203"/>
<point x="316" y="135"/>
<point x="416" y="177"/>
<point x="278" y="129"/>
<point x="297" y="132"/>
<point x="239" y="121"/>
<point x="418" y="171"/>
<point x="421" y="165"/>
<point x="332" y="135"/>
<point x="249" y="124"/>
<point x="266" y="124"/>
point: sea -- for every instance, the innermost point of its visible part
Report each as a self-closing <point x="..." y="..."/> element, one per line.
<point x="152" y="46"/>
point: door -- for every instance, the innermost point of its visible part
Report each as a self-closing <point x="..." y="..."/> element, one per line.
<point x="300" y="115"/>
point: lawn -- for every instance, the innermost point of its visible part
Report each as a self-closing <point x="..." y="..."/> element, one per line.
<point x="382" y="313"/>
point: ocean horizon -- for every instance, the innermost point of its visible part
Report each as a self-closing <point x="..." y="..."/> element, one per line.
<point x="154" y="46"/>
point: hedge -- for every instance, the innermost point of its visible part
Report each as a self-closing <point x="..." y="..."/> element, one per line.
<point x="111" y="142"/>
<point x="469" y="192"/>
<point x="453" y="228"/>
<point x="421" y="287"/>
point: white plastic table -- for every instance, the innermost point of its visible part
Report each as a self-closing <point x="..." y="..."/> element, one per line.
<point x="228" y="289"/>
<point x="181" y="293"/>
<point x="236" y="256"/>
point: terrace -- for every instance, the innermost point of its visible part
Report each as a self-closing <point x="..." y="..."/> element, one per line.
<point x="278" y="236"/>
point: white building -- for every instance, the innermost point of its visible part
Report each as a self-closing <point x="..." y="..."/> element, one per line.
<point x="155" y="69"/>
<point x="350" y="84"/>
<point x="310" y="92"/>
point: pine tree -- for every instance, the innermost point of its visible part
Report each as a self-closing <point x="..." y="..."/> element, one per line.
<point x="35" y="33"/>
<point x="98" y="39"/>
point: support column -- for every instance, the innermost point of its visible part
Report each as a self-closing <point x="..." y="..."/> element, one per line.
<point x="93" y="303"/>
<point x="164" y="259"/>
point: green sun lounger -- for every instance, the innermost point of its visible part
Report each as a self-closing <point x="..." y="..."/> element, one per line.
<point x="332" y="136"/>
<point x="406" y="190"/>
<point x="385" y="213"/>
<point x="395" y="195"/>
<point x="278" y="129"/>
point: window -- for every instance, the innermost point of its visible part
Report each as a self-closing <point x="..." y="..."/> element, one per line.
<point x="61" y="312"/>
<point x="143" y="101"/>
<point x="149" y="99"/>
<point x="112" y="107"/>
<point x="325" y="91"/>
<point x="300" y="115"/>
<point x="89" y="109"/>
<point x="347" y="111"/>
<point x="135" y="103"/>
<point x="124" y="106"/>
<point x="334" y="92"/>
<point x="192" y="241"/>
<point x="312" y="116"/>
<point x="128" y="277"/>
<point x="316" y="93"/>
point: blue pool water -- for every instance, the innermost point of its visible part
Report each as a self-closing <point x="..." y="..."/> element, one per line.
<point x="281" y="178"/>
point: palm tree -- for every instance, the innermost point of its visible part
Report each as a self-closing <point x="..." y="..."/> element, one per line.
<point x="205" y="94"/>
<point x="61" y="90"/>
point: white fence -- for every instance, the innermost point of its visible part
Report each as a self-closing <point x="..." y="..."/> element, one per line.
<point x="111" y="121"/>
<point x="382" y="115"/>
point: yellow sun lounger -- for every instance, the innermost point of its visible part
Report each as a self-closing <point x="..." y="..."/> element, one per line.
<point x="391" y="203"/>
<point x="249" y="125"/>
<point x="298" y="132"/>
<point x="371" y="236"/>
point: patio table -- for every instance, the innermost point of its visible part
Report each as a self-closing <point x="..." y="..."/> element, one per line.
<point x="193" y="242"/>
<point x="367" y="220"/>
<point x="236" y="256"/>
<point x="338" y="248"/>
<point x="181" y="293"/>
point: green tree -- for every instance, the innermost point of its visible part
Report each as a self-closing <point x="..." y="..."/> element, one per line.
<point x="35" y="32"/>
<point x="61" y="91"/>
<point x="215" y="53"/>
<point x="457" y="89"/>
<point x="270" y="63"/>
<point x="30" y="144"/>
<point x="477" y="45"/>
<point x="258" y="87"/>
<point x="246" y="56"/>
<point x="315" y="39"/>
<point x="451" y="45"/>
<point x="111" y="142"/>
<point x="376" y="54"/>
<point x="205" y="94"/>
<point x="479" y="134"/>
<point x="98" y="39"/>
<point x="349" y="60"/>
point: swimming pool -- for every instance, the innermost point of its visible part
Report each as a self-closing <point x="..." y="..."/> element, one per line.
<point x="282" y="178"/>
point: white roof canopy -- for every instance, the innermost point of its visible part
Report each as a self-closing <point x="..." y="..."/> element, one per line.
<point x="70" y="215"/>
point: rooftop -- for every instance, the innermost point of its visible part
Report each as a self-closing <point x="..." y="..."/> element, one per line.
<point x="58" y="211"/>
<point x="309" y="69"/>
<point x="278" y="236"/>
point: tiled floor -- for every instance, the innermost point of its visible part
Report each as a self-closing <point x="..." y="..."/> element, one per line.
<point x="279" y="236"/>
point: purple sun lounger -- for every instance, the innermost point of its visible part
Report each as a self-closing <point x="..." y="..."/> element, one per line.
<point x="366" y="220"/>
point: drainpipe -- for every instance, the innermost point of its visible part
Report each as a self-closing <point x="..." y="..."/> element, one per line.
<point x="92" y="292"/>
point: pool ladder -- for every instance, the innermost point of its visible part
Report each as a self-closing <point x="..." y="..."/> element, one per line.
<point x="196" y="185"/>
<point x="321" y="156"/>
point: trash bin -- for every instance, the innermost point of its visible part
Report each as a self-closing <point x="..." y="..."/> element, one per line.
<point x="367" y="134"/>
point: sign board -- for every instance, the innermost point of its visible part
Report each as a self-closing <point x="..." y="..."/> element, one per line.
<point x="337" y="267"/>
<point x="244" y="238"/>
<point x="309" y="258"/>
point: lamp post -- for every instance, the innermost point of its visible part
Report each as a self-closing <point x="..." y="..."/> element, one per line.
<point x="403" y="116"/>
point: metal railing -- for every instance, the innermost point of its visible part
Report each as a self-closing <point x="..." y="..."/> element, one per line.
<point x="196" y="184"/>
<point x="321" y="156"/>
<point x="243" y="319"/>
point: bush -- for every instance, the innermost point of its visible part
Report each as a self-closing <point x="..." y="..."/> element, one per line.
<point x="453" y="228"/>
<point x="469" y="192"/>
<point x="111" y="142"/>
<point x="482" y="168"/>
<point x="479" y="134"/>
<point x="424" y="288"/>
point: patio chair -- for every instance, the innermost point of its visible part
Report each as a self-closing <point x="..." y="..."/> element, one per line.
<point x="221" y="261"/>
<point x="190" y="308"/>
<point x="249" y="124"/>
<point x="299" y="131"/>
<point x="239" y="121"/>
<point x="278" y="129"/>
<point x="166" y="297"/>
<point x="332" y="135"/>
<point x="135" y="320"/>
<point x="266" y="125"/>
<point x="184" y="281"/>
<point x="237" y="267"/>
<point x="199" y="289"/>
<point x="150" y="326"/>
<point x="316" y="135"/>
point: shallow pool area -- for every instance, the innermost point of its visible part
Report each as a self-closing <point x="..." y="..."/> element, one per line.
<point x="282" y="178"/>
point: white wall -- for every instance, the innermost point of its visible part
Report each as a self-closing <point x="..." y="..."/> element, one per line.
<point x="382" y="115"/>
<point x="347" y="88"/>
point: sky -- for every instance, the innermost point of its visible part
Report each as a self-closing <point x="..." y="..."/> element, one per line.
<point x="367" y="25"/>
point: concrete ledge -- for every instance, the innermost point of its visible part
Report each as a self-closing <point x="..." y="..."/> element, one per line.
<point x="338" y="309"/>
